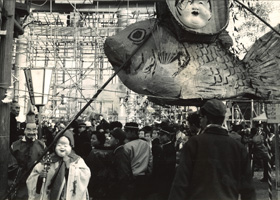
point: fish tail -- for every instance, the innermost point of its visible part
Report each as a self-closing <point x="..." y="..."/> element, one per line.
<point x="262" y="63"/>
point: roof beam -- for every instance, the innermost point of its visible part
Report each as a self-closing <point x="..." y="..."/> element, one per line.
<point x="100" y="6"/>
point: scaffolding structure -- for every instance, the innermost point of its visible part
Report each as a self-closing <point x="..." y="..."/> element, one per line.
<point x="72" y="45"/>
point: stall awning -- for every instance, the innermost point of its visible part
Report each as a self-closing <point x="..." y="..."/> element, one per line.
<point x="261" y="117"/>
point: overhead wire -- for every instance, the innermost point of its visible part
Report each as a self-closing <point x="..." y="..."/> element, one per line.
<point x="256" y="15"/>
<point x="39" y="4"/>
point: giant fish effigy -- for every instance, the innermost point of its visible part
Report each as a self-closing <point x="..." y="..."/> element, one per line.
<point x="182" y="56"/>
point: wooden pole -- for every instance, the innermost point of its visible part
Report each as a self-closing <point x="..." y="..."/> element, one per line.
<point x="39" y="108"/>
<point x="6" y="49"/>
<point x="80" y="112"/>
<point x="269" y="166"/>
<point x="252" y="113"/>
<point x="277" y="163"/>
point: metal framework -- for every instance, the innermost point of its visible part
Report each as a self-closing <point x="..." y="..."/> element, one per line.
<point x="72" y="44"/>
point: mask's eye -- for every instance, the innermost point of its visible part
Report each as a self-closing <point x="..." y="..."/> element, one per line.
<point x="137" y="35"/>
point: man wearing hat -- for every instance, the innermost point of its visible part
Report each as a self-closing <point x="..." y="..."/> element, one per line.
<point x="164" y="162"/>
<point x="213" y="165"/>
<point x="140" y="156"/>
<point x="82" y="140"/>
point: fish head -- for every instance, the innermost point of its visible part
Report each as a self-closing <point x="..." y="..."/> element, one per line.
<point x="148" y="56"/>
<point x="118" y="48"/>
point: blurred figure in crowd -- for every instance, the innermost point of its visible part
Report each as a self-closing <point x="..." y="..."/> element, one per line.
<point x="193" y="121"/>
<point x="260" y="151"/>
<point x="100" y="161"/>
<point x="14" y="134"/>
<point x="212" y="164"/>
<point x="164" y="162"/>
<point x="140" y="158"/>
<point x="121" y="165"/>
<point x="82" y="141"/>
<point x="234" y="133"/>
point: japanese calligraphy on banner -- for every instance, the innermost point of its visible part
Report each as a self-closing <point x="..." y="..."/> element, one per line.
<point x="273" y="113"/>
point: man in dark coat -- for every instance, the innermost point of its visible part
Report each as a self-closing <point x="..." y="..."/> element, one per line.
<point x="82" y="141"/>
<point x="164" y="162"/>
<point x="14" y="133"/>
<point x="213" y="166"/>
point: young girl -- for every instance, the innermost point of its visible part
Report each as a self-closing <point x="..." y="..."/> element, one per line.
<point x="66" y="175"/>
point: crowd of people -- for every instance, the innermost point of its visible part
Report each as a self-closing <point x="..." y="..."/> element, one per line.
<point x="197" y="159"/>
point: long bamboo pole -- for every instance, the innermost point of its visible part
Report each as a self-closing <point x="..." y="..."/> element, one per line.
<point x="81" y="111"/>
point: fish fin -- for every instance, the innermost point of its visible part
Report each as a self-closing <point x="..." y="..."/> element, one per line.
<point x="262" y="63"/>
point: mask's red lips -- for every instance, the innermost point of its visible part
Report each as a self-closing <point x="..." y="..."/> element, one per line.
<point x="195" y="13"/>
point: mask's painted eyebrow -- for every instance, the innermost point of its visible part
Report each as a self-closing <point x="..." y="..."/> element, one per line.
<point x="210" y="7"/>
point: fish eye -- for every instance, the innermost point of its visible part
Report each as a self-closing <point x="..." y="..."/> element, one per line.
<point x="137" y="35"/>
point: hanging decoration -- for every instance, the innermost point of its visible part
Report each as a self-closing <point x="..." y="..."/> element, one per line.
<point x="184" y="64"/>
<point x="9" y="95"/>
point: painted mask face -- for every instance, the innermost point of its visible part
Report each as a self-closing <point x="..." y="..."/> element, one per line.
<point x="31" y="131"/>
<point x="63" y="147"/>
<point x="194" y="14"/>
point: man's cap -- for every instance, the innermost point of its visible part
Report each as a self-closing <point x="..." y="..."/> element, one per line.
<point x="131" y="125"/>
<point x="215" y="107"/>
<point x="82" y="124"/>
<point x="118" y="134"/>
<point x="167" y="129"/>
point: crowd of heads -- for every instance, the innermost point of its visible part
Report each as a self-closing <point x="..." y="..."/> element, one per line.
<point x="101" y="131"/>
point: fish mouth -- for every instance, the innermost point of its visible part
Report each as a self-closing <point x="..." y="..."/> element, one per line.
<point x="195" y="13"/>
<point x="112" y="54"/>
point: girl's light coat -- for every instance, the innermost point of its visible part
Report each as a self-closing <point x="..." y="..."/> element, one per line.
<point x="78" y="178"/>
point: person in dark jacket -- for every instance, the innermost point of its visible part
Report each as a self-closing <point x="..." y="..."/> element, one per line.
<point x="82" y="141"/>
<point x="100" y="162"/>
<point x="121" y="165"/>
<point x="14" y="133"/>
<point x="141" y="160"/>
<point x="164" y="162"/>
<point x="213" y="166"/>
